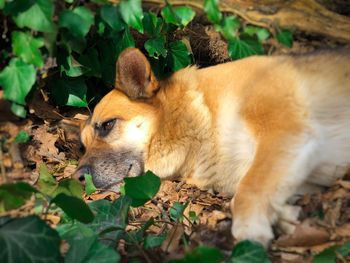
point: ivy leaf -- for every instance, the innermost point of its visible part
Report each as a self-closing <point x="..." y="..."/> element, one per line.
<point x="344" y="250"/>
<point x="203" y="254"/>
<point x="179" y="56"/>
<point x="14" y="7"/>
<point x="261" y="33"/>
<point x="27" y="48"/>
<point x="132" y="14"/>
<point x="17" y="79"/>
<point x="22" y="137"/>
<point x="244" y="47"/>
<point x="84" y="246"/>
<point x="90" y="60"/>
<point x="14" y="195"/>
<point x="142" y="188"/>
<point x="211" y="7"/>
<point x="285" y="37"/>
<point x="70" y="92"/>
<point x="177" y="210"/>
<point x="152" y="24"/>
<point x="46" y="182"/>
<point x="29" y="239"/>
<point x="111" y="15"/>
<point x="78" y="21"/>
<point x="18" y="110"/>
<point x="68" y="64"/>
<point x="90" y="188"/>
<point x="152" y="241"/>
<point x="74" y="207"/>
<point x="185" y="14"/>
<point x="230" y="27"/>
<point x="326" y="256"/>
<point x="156" y="47"/>
<point x="179" y="16"/>
<point x="69" y="187"/>
<point x="248" y="251"/>
<point x="38" y="17"/>
<point x="110" y="214"/>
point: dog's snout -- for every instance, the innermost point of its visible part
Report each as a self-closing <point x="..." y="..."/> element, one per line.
<point x="81" y="171"/>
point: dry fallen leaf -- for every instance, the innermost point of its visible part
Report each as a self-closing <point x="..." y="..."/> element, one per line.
<point x="46" y="145"/>
<point x="306" y="234"/>
<point x="343" y="231"/>
<point x="172" y="242"/>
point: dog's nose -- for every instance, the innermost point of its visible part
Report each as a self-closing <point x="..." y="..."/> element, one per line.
<point x="81" y="171"/>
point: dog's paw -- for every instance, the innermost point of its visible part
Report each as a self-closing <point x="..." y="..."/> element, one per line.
<point x="256" y="228"/>
<point x="288" y="218"/>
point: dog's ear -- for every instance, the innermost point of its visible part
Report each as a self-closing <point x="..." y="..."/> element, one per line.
<point x="134" y="75"/>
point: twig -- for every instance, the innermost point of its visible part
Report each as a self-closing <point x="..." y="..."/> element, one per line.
<point x="16" y="156"/>
<point x="140" y="248"/>
<point x="2" y="167"/>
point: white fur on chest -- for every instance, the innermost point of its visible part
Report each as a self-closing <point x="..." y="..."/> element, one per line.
<point x="236" y="147"/>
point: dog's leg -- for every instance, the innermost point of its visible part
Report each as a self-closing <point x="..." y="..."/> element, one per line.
<point x="280" y="166"/>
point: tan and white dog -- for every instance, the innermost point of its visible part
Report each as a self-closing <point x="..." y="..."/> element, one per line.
<point x="260" y="129"/>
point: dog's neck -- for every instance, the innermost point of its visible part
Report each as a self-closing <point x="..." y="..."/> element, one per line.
<point x="180" y="125"/>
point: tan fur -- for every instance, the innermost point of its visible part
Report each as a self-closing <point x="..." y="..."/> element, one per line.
<point x="258" y="128"/>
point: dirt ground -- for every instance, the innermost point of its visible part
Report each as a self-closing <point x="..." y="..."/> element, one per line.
<point x="54" y="132"/>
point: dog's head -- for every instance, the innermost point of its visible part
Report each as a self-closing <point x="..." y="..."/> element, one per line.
<point x="117" y="135"/>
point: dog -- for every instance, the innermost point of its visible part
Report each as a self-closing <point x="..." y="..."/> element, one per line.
<point x="260" y="129"/>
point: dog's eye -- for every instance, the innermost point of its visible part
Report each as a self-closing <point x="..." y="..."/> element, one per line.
<point x="105" y="127"/>
<point x="108" y="125"/>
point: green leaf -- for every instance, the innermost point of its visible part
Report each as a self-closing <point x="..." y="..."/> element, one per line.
<point x="153" y="241"/>
<point x="152" y="24"/>
<point x="38" y="17"/>
<point x="90" y="60"/>
<point x="177" y="210"/>
<point x="22" y="137"/>
<point x="14" y="7"/>
<point x="29" y="239"/>
<point x="18" y="110"/>
<point x="179" y="56"/>
<point x="111" y="15"/>
<point x="285" y="37"/>
<point x="132" y="14"/>
<point x="211" y="7"/>
<point x="90" y="188"/>
<point x="249" y="251"/>
<point x="46" y="182"/>
<point x="185" y="14"/>
<point x="192" y="216"/>
<point x="14" y="195"/>
<point x="17" y="79"/>
<point x="27" y="47"/>
<point x="68" y="64"/>
<point x="326" y="256"/>
<point x="69" y="187"/>
<point x="70" y="92"/>
<point x="142" y="188"/>
<point x="84" y="246"/>
<point x="2" y="4"/>
<point x="74" y="207"/>
<point x="230" y="27"/>
<point x="261" y="33"/>
<point x="156" y="47"/>
<point x="110" y="214"/>
<point x="78" y="21"/>
<point x="202" y="254"/>
<point x="344" y="250"/>
<point x="179" y="16"/>
<point x="244" y="47"/>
